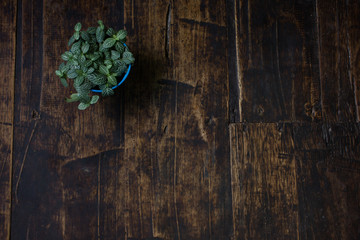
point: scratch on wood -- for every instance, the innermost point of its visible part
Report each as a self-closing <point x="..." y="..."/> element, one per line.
<point x="338" y="60"/>
<point x="98" y="197"/>
<point x="350" y="69"/>
<point x="249" y="33"/>
<point x="23" y="160"/>
<point x="139" y="200"/>
<point x="320" y="99"/>
<point x="203" y="24"/>
<point x="282" y="102"/>
<point x="27" y="232"/>
<point x="175" y="156"/>
<point x="238" y="65"/>
<point x="167" y="34"/>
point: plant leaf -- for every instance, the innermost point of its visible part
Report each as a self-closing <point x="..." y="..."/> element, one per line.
<point x="69" y="54"/>
<point x="119" y="47"/>
<point x="75" y="48"/>
<point x="121" y="35"/>
<point x="115" y="55"/>
<point x="104" y="70"/>
<point x="85" y="47"/>
<point x="97" y="79"/>
<point x="79" y="80"/>
<point x="90" y="70"/>
<point x="112" y="80"/>
<point x="100" y="35"/>
<point x="65" y="57"/>
<point x="107" y="55"/>
<point x="83" y="106"/>
<point x="72" y="74"/>
<point x="71" y="40"/>
<point x="128" y="57"/>
<point x="108" y="63"/>
<point x="91" y="30"/>
<point x="94" y="57"/>
<point x="101" y="48"/>
<point x="73" y="98"/>
<point x="85" y="35"/>
<point x="82" y="59"/>
<point x="77" y="27"/>
<point x="58" y="73"/>
<point x="64" y="82"/>
<point x="87" y="63"/>
<point x="101" y="24"/>
<point x="107" y="92"/>
<point x="84" y="90"/>
<point x="127" y="54"/>
<point x="110" y="32"/>
<point x="76" y="35"/>
<point x="109" y="42"/>
<point x="64" y="68"/>
<point x="94" y="99"/>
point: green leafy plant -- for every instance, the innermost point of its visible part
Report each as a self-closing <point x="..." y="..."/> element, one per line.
<point x="96" y="58"/>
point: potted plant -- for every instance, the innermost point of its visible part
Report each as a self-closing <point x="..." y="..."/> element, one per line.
<point x="98" y="61"/>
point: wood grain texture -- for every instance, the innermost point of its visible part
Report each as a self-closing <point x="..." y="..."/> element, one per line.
<point x="264" y="189"/>
<point x="293" y="61"/>
<point x="336" y="59"/>
<point x="159" y="160"/>
<point x="52" y="136"/>
<point x="175" y="126"/>
<point x="132" y="171"/>
<point x="295" y="181"/>
<point x="328" y="175"/>
<point x="7" y="71"/>
<point x="276" y="56"/>
<point x="353" y="34"/>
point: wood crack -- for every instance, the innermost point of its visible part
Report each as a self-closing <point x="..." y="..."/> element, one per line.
<point x="23" y="160"/>
<point x="167" y="33"/>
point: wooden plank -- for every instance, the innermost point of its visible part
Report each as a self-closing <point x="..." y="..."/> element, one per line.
<point x="336" y="59"/>
<point x="263" y="180"/>
<point x="7" y="71"/>
<point x="295" y="181"/>
<point x="328" y="175"/>
<point x="175" y="124"/>
<point x="146" y="23"/>
<point x="277" y="70"/>
<point x="55" y="140"/>
<point x="353" y="35"/>
<point x="113" y="207"/>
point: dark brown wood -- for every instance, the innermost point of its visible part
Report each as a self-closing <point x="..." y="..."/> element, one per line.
<point x="263" y="180"/>
<point x="295" y="181"/>
<point x="7" y="73"/>
<point x="293" y="61"/>
<point x="336" y="70"/>
<point x="159" y="160"/>
<point x="175" y="124"/>
<point x="53" y="194"/>
<point x="353" y="34"/>
<point x="328" y="175"/>
<point x="137" y="172"/>
<point x="277" y="70"/>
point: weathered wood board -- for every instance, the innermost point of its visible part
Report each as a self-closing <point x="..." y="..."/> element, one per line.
<point x="239" y="120"/>
<point x="7" y="73"/>
<point x="153" y="161"/>
<point x="295" y="181"/>
<point x="294" y="61"/>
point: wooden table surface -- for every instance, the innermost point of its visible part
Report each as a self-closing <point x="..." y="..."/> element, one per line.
<point x="239" y="120"/>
